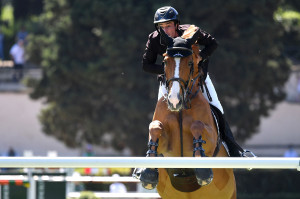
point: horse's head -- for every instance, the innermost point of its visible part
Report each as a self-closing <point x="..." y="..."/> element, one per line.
<point x="180" y="60"/>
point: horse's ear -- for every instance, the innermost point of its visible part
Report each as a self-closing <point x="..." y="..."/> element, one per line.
<point x="194" y="38"/>
<point x="164" y="38"/>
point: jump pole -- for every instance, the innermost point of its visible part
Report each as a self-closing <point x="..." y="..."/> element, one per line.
<point x="150" y="162"/>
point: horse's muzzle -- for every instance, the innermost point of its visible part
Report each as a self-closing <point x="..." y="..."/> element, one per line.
<point x="175" y="107"/>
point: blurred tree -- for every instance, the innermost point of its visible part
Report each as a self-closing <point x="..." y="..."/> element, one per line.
<point x="288" y="14"/>
<point x="248" y="68"/>
<point x="292" y="4"/>
<point x="90" y="52"/>
<point x="35" y="7"/>
<point x="1" y="9"/>
<point x="25" y="8"/>
<point x="21" y="8"/>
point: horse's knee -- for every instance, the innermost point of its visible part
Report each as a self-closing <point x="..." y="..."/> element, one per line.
<point x="197" y="127"/>
<point x="155" y="129"/>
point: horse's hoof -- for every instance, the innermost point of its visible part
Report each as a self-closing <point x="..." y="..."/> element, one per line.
<point x="204" y="176"/>
<point x="149" y="178"/>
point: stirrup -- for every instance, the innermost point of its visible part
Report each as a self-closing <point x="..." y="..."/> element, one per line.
<point x="245" y="152"/>
<point x="137" y="173"/>
<point x="150" y="151"/>
<point x="199" y="148"/>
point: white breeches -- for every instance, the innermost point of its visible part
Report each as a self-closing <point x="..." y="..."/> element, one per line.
<point x="215" y="100"/>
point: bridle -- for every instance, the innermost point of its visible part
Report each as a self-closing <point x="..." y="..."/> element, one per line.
<point x="186" y="86"/>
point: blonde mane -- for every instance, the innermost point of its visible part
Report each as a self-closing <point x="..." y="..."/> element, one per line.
<point x="188" y="33"/>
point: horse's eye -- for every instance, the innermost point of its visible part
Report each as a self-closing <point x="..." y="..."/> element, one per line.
<point x="191" y="64"/>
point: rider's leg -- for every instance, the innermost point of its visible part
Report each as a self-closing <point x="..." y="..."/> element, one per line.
<point x="229" y="139"/>
<point x="212" y="91"/>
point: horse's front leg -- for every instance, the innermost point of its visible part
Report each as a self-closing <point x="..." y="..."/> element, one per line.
<point x="149" y="177"/>
<point x="204" y="175"/>
<point x="155" y="131"/>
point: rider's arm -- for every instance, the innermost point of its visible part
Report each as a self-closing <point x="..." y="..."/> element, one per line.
<point x="150" y="56"/>
<point x="149" y="65"/>
<point x="209" y="43"/>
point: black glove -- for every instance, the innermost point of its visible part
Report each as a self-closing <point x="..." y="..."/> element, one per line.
<point x="161" y="78"/>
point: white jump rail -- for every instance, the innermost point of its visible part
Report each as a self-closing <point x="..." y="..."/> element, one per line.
<point x="117" y="195"/>
<point x="150" y="162"/>
<point x="59" y="178"/>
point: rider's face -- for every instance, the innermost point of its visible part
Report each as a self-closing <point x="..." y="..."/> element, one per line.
<point x="169" y="27"/>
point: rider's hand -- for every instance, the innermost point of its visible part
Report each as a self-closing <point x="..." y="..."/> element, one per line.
<point x="160" y="78"/>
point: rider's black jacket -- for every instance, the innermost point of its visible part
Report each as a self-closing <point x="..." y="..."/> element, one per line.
<point x="154" y="48"/>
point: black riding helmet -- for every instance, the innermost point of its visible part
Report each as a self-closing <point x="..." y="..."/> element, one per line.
<point x="164" y="14"/>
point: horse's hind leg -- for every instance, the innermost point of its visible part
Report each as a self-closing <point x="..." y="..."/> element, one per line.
<point x="204" y="175"/>
<point x="149" y="177"/>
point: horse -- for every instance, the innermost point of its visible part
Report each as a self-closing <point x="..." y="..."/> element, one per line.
<point x="184" y="125"/>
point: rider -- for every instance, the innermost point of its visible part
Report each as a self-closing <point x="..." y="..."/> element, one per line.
<point x="167" y="18"/>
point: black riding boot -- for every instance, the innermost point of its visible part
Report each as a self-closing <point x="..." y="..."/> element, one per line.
<point x="234" y="149"/>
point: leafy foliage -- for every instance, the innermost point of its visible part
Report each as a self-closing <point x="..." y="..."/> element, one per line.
<point x="90" y="52"/>
<point x="289" y="16"/>
<point x="249" y="68"/>
<point x="92" y="75"/>
<point x="23" y="9"/>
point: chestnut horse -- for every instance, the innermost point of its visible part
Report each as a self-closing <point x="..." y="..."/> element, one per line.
<point x="184" y="126"/>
